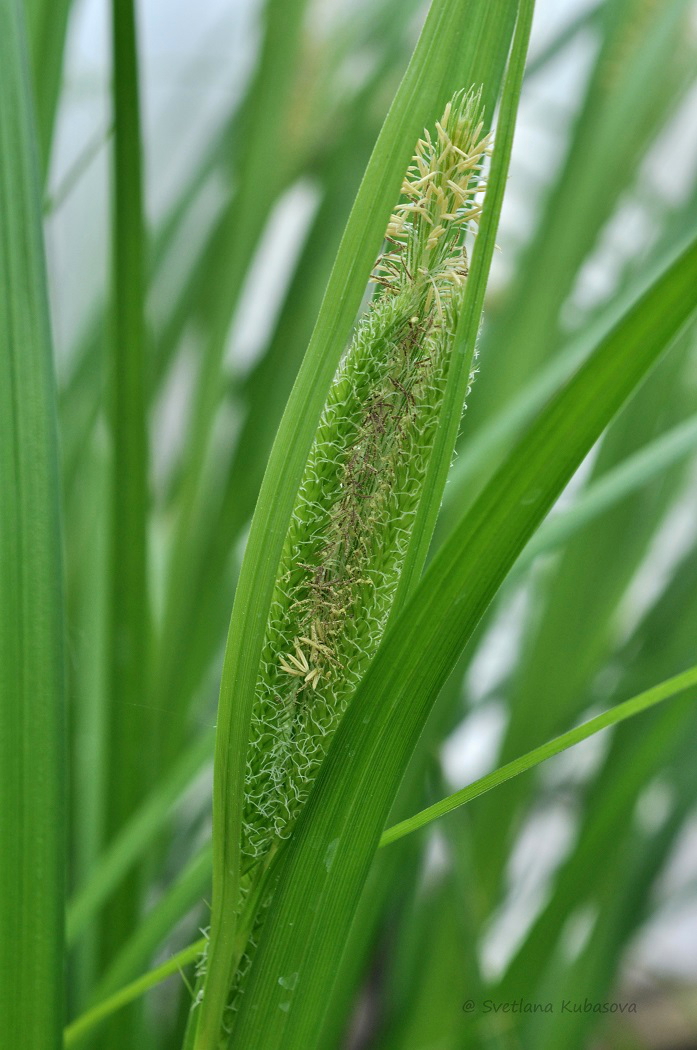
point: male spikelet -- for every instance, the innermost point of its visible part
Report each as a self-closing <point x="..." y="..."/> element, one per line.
<point x="355" y="509"/>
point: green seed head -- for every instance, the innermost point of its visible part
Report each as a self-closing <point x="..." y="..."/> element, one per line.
<point x="441" y="199"/>
<point x="353" y="518"/>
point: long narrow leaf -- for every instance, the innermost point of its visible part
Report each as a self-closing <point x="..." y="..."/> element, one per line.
<point x="136" y="835"/>
<point x="613" y="716"/>
<point x="48" y="25"/>
<point x="32" y="723"/>
<point x="76" y="1031"/>
<point x="130" y="720"/>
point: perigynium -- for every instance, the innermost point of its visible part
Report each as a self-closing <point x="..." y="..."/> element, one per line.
<point x="356" y="505"/>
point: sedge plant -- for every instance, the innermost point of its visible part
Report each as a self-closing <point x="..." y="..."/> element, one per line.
<point x="353" y="519"/>
<point x="401" y="573"/>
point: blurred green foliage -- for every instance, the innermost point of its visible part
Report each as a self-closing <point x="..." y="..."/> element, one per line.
<point x="164" y="434"/>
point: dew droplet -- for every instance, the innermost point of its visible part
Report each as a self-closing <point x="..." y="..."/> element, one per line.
<point x="330" y="854"/>
<point x="289" y="983"/>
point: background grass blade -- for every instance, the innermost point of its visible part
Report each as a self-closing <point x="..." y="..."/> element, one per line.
<point x="130" y="726"/>
<point x="32" y="717"/>
<point x="137" y="834"/>
<point x="189" y="888"/>
<point x="76" y="1031"/>
<point x="609" y="136"/>
<point x="637" y="756"/>
<point x="617" y="714"/>
<point x="631" y="474"/>
<point x="47" y="24"/>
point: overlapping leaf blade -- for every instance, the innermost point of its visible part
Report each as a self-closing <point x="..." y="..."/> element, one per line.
<point x="32" y="717"/>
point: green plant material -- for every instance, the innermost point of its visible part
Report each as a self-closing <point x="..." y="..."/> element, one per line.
<point x="422" y="89"/>
<point x="128" y="759"/>
<point x="386" y="894"/>
<point x="177" y="900"/>
<point x="594" y="609"/>
<point x="612" y="487"/>
<point x="77" y="169"/>
<point x="631" y="474"/>
<point x="79" y="1028"/>
<point x="619" y="713"/>
<point x="135" y="836"/>
<point x="485" y="445"/>
<point x="263" y="392"/>
<point x="640" y="856"/>
<point x="47" y="24"/>
<point x="553" y="655"/>
<point x="32" y="717"/>
<point x="263" y="126"/>
<point x="419" y="992"/>
<point x="641" y="755"/>
<point x="203" y="579"/>
<point x="393" y="894"/>
<point x="85" y="532"/>
<point x="296" y="1019"/>
<point x="549" y="646"/>
<point x="156" y="810"/>
<point x="639" y="43"/>
<point x="349" y="804"/>
<point x="392" y="876"/>
<point x="352" y="523"/>
<point x="637" y="470"/>
<point x="636" y="757"/>
<point x="586" y="583"/>
<point x="81" y="390"/>
<point x="626" y="847"/>
<point x="613" y="716"/>
<point x="616" y="714"/>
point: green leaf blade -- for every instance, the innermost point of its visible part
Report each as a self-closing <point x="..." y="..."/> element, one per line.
<point x="612" y="717"/>
<point x="32" y="718"/>
<point x="130" y="720"/>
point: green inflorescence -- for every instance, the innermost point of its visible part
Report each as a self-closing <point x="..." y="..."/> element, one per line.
<point x="353" y="518"/>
